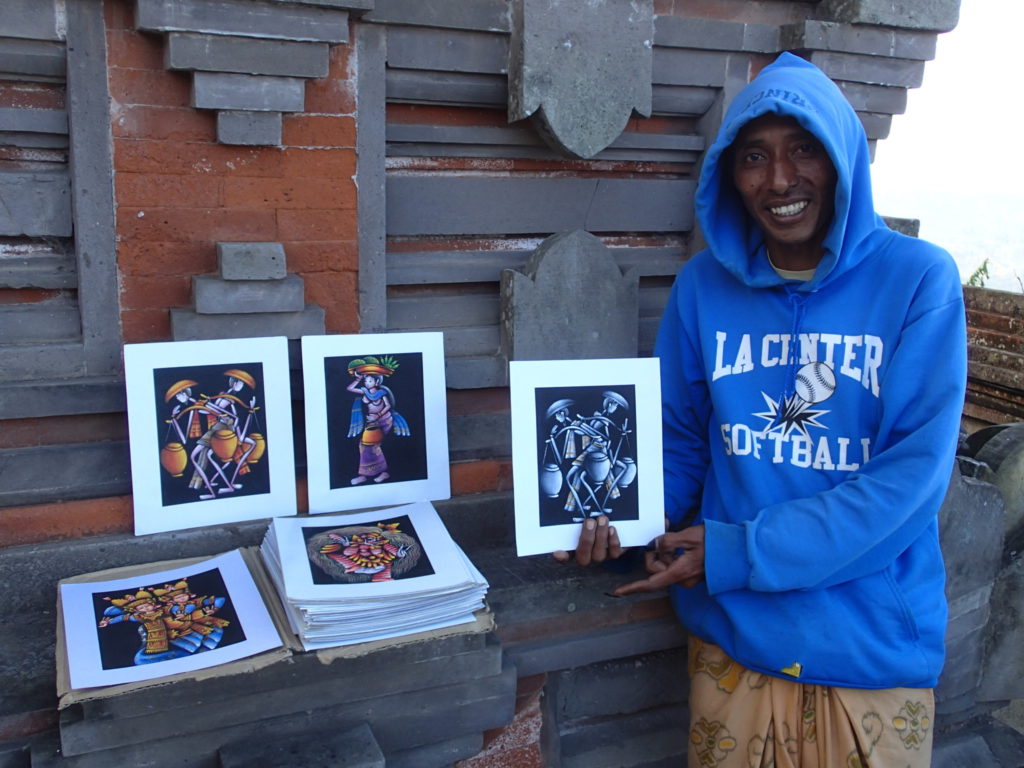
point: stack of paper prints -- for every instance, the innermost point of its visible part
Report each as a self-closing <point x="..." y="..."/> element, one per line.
<point x="370" y="575"/>
<point x="163" y="619"/>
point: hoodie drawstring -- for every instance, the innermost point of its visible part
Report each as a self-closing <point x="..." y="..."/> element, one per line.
<point x="796" y="302"/>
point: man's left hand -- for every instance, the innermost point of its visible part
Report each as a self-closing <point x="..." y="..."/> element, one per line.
<point x="666" y="567"/>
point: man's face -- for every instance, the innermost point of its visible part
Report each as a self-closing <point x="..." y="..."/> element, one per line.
<point x="787" y="183"/>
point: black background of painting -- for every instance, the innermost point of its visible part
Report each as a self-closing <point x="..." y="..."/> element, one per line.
<point x="406" y="456"/>
<point x="119" y="642"/>
<point x="588" y="401"/>
<point x="422" y="568"/>
<point x="212" y="381"/>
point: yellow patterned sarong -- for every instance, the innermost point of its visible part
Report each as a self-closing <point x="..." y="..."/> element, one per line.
<point x="744" y="719"/>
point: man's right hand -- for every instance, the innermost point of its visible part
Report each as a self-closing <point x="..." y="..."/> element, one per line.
<point x="598" y="542"/>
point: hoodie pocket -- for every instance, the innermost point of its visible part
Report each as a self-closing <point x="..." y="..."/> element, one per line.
<point x="909" y="622"/>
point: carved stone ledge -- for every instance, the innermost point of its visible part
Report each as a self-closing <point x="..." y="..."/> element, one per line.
<point x="249" y="58"/>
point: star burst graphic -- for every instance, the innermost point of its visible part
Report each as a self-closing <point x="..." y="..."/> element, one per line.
<point x="792" y="413"/>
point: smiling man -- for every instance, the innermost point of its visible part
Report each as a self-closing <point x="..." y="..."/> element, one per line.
<point x="813" y="371"/>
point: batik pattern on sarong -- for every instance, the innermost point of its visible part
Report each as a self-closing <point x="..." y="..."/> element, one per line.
<point x="745" y="719"/>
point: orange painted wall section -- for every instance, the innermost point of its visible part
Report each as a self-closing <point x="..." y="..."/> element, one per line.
<point x="178" y="192"/>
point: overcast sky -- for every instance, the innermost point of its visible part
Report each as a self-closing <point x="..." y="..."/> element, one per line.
<point x="955" y="159"/>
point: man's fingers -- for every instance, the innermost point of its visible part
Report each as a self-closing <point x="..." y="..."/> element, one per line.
<point x="652" y="583"/>
<point x="652" y="563"/>
<point x="561" y="556"/>
<point x="644" y="585"/>
<point x="585" y="548"/>
<point x="600" y="553"/>
<point x="678" y="573"/>
<point x="614" y="547"/>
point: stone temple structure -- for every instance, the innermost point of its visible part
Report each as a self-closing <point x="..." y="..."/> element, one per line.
<point x="217" y="169"/>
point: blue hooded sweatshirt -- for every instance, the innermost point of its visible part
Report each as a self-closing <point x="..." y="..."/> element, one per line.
<point x="814" y="424"/>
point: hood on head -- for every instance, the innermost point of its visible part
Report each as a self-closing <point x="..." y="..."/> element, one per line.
<point x="795" y="88"/>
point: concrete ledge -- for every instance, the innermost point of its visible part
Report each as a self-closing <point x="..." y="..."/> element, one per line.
<point x="353" y="748"/>
<point x="215" y="296"/>
<point x="874" y="70"/>
<point x="30" y="57"/>
<point x="830" y="36"/>
<point x="186" y="324"/>
<point x="249" y="129"/>
<point x="66" y="472"/>
<point x="61" y="397"/>
<point x="239" y="17"/>
<point x="932" y="15"/>
<point x="36" y="203"/>
<point x="251" y="261"/>
<point x="246" y="55"/>
<point x="225" y="91"/>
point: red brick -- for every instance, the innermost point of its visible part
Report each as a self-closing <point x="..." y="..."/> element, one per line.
<point x="311" y="163"/>
<point x="657" y="124"/>
<point x="140" y="325"/>
<point x="146" y="86"/>
<point x="158" y="258"/>
<point x="422" y="114"/>
<point x="59" y="430"/>
<point x="336" y="293"/>
<point x="129" y="49"/>
<point x="65" y="520"/>
<point x="205" y="224"/>
<point x="250" y="192"/>
<point x="528" y="688"/>
<point x="330" y="256"/>
<point x="517" y="745"/>
<point x="31" y="95"/>
<point x="334" y="94"/>
<point x="169" y="191"/>
<point x="154" y="292"/>
<point x="27" y="295"/>
<point x="464" y="401"/>
<point x="134" y="121"/>
<point x="119" y="15"/>
<point x="302" y="130"/>
<point x="193" y="157"/>
<point x="756" y="12"/>
<point x="480" y="476"/>
<point x="315" y="225"/>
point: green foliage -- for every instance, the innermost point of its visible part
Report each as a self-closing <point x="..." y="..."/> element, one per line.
<point x="979" y="276"/>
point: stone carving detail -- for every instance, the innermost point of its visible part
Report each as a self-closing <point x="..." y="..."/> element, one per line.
<point x="252" y="296"/>
<point x="250" y="59"/>
<point x="580" y="71"/>
<point x="572" y="303"/>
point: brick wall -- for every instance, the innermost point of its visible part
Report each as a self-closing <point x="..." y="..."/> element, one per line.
<point x="179" y="192"/>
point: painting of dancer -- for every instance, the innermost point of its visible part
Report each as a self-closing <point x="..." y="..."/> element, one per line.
<point x="376" y="426"/>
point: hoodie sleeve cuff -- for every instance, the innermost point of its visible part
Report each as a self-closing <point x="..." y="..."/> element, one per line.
<point x="726" y="565"/>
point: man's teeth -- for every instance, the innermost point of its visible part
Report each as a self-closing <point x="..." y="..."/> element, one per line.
<point x="789" y="210"/>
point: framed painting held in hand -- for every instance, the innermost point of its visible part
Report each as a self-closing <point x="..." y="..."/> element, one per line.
<point x="586" y="441"/>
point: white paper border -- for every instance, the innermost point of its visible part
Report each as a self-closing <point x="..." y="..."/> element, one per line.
<point x="439" y="547"/>
<point x="527" y="376"/>
<point x="140" y="361"/>
<point x="437" y="484"/>
<point x="81" y="633"/>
